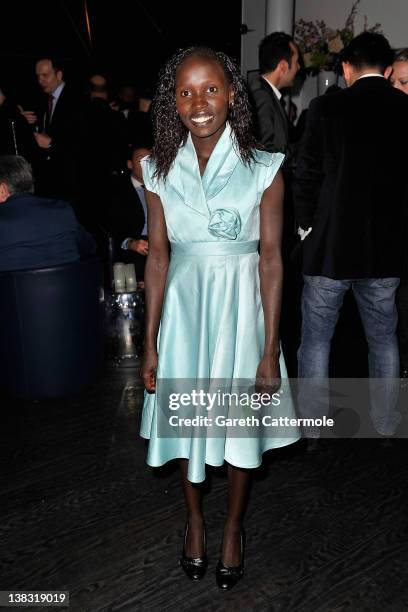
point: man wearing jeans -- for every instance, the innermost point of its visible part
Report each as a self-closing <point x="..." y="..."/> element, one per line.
<point x="399" y="80"/>
<point x="351" y="189"/>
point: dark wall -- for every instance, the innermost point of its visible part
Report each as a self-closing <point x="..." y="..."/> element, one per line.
<point x="130" y="38"/>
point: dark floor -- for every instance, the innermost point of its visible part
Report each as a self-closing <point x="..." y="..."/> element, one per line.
<point x="326" y="530"/>
<point x="80" y="511"/>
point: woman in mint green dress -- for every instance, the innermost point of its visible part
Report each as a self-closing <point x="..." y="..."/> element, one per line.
<point x="213" y="306"/>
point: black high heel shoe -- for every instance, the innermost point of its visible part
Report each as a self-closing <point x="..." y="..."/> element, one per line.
<point x="228" y="576"/>
<point x="194" y="568"/>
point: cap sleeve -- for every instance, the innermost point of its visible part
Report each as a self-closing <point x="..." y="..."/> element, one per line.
<point x="270" y="164"/>
<point x="148" y="169"/>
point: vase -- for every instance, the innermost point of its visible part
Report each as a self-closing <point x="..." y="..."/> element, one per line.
<point x="325" y="79"/>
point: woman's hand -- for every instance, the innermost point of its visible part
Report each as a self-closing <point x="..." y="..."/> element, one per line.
<point x="148" y="369"/>
<point x="268" y="376"/>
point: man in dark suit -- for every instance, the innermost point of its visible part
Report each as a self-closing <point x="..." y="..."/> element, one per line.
<point x="399" y="79"/>
<point x="35" y="232"/>
<point x="58" y="131"/>
<point x="278" y="66"/>
<point x="351" y="189"/>
<point x="127" y="216"/>
<point x="104" y="151"/>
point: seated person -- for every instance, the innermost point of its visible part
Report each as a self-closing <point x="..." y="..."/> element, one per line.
<point x="127" y="216"/>
<point x="35" y="232"/>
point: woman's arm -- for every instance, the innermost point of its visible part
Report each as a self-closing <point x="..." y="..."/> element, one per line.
<point x="271" y="274"/>
<point x="157" y="264"/>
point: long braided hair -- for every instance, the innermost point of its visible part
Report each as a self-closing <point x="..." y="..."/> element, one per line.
<point x="170" y="132"/>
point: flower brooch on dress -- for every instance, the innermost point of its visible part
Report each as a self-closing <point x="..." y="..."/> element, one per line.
<point x="225" y="223"/>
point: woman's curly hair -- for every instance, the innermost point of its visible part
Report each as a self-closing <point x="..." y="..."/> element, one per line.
<point x="170" y="132"/>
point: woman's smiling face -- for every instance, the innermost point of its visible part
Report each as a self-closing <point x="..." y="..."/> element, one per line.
<point x="203" y="95"/>
<point x="399" y="76"/>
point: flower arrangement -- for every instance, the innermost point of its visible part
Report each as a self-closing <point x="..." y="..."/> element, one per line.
<point x="321" y="46"/>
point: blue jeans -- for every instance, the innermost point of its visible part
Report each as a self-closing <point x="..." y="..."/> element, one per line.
<point x="322" y="299"/>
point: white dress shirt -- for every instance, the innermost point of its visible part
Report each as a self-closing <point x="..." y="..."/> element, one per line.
<point x="274" y="88"/>
<point x="55" y="96"/>
<point x="140" y="192"/>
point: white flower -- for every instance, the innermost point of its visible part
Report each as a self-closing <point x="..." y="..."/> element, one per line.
<point x="335" y="44"/>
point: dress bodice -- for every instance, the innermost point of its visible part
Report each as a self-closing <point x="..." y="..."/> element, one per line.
<point x="221" y="205"/>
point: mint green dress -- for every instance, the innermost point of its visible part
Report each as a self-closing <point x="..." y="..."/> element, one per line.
<point x="212" y="324"/>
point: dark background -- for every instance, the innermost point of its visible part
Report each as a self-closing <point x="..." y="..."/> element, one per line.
<point x="130" y="38"/>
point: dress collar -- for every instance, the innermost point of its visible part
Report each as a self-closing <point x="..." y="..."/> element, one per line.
<point x="197" y="191"/>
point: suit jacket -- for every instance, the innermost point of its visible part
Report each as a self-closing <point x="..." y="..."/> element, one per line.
<point x="270" y="119"/>
<point x="126" y="219"/>
<point x="57" y="170"/>
<point x="39" y="232"/>
<point x="351" y="182"/>
<point x="140" y="129"/>
<point x="273" y="132"/>
<point x="103" y="155"/>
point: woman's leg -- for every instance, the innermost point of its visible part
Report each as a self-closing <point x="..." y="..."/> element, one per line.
<point x="195" y="520"/>
<point x="239" y="481"/>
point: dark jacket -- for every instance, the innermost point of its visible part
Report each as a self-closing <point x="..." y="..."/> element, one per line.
<point x="104" y="142"/>
<point x="103" y="155"/>
<point x="126" y="219"/>
<point x="270" y="118"/>
<point x="39" y="232"/>
<point x="140" y="129"/>
<point x="351" y="182"/>
<point x="57" y="170"/>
